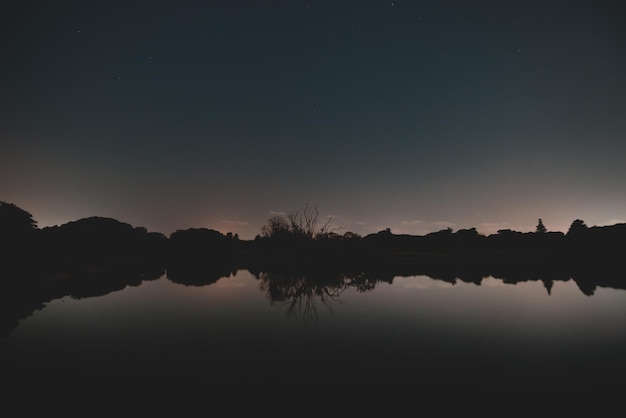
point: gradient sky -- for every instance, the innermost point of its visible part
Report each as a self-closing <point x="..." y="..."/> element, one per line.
<point x="409" y="115"/>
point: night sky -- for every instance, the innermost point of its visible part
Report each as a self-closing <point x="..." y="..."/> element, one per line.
<point x="410" y="115"/>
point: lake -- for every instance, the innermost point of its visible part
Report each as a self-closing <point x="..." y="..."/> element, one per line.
<point x="262" y="328"/>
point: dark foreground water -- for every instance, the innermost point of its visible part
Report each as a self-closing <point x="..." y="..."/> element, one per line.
<point x="246" y="330"/>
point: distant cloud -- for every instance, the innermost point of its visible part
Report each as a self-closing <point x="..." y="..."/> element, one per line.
<point x="277" y="213"/>
<point x="412" y="223"/>
<point x="442" y="224"/>
<point x="234" y="223"/>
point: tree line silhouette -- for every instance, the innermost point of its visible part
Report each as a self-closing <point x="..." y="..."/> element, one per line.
<point x="294" y="240"/>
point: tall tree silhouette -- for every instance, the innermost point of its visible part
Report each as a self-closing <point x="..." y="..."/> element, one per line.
<point x="541" y="229"/>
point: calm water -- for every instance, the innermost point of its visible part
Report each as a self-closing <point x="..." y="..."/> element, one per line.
<point x="414" y="329"/>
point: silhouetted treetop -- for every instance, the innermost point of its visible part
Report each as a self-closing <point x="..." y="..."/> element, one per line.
<point x="200" y="243"/>
<point x="471" y="232"/>
<point x="441" y="233"/>
<point x="276" y="227"/>
<point x="576" y="228"/>
<point x="508" y="232"/>
<point x="96" y="225"/>
<point x="15" y="220"/>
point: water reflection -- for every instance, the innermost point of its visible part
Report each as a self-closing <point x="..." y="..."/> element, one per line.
<point x="375" y="324"/>
<point x="301" y="290"/>
<point x="300" y="295"/>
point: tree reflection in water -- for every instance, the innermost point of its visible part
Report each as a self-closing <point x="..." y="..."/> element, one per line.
<point x="301" y="293"/>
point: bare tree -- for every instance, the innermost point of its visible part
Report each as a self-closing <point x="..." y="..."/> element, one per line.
<point x="304" y="223"/>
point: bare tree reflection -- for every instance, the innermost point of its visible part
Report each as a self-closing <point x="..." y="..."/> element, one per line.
<point x="301" y="295"/>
